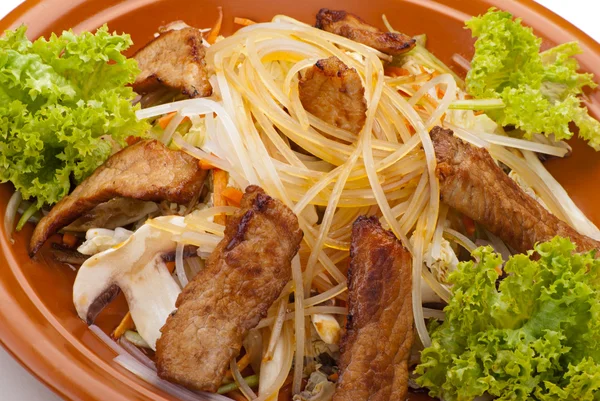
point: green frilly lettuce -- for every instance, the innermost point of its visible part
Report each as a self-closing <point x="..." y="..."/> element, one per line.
<point x="540" y="90"/>
<point x="535" y="336"/>
<point x="63" y="101"/>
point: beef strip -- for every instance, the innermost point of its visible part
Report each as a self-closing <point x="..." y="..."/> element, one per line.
<point x="354" y="28"/>
<point x="242" y="278"/>
<point x="376" y="345"/>
<point x="472" y="183"/>
<point x="334" y="93"/>
<point x="175" y="60"/>
<point x="146" y="171"/>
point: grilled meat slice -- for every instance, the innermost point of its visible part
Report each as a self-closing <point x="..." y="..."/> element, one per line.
<point x="146" y="170"/>
<point x="334" y="93"/>
<point x="175" y="60"/>
<point x="242" y="278"/>
<point x="472" y="183"/>
<point x="354" y="28"/>
<point x="376" y="345"/>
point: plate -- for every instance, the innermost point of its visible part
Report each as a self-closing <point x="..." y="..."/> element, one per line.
<point x="39" y="325"/>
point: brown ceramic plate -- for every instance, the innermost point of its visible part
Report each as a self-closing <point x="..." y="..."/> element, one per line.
<point x="38" y="323"/>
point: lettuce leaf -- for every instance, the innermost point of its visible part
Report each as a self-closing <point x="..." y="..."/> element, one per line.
<point x="533" y="336"/>
<point x="540" y="90"/>
<point x="63" y="101"/>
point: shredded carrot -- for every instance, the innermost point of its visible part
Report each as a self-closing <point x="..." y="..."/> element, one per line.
<point x="333" y="377"/>
<point x="220" y="179"/>
<point x="469" y="225"/>
<point x="132" y="140"/>
<point x="439" y="92"/>
<point x="166" y="119"/>
<point x="420" y="108"/>
<point x="204" y="165"/>
<point x="126" y="324"/>
<point x="410" y="128"/>
<point x="243" y="21"/>
<point x="395" y="71"/>
<point x="170" y="266"/>
<point x="69" y="240"/>
<point x="216" y="29"/>
<point x="233" y="196"/>
<point x="498" y="270"/>
<point x="242" y="364"/>
<point x="479" y="112"/>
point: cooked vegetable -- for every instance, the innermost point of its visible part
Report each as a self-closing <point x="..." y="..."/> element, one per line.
<point x="534" y="337"/>
<point x="101" y="239"/>
<point x="27" y="214"/>
<point x="539" y="89"/>
<point x="164" y="121"/>
<point x="126" y="324"/>
<point x="327" y="327"/>
<point x="69" y="240"/>
<point x="242" y="363"/>
<point x="117" y="212"/>
<point x="318" y="388"/>
<point x="243" y="21"/>
<point x="134" y="338"/>
<point x="138" y="269"/>
<point x="220" y="179"/>
<point x="233" y="196"/>
<point x="252" y="381"/>
<point x="59" y="99"/>
<point x="11" y="214"/>
<point x="216" y="29"/>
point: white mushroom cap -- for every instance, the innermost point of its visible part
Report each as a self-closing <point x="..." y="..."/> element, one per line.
<point x="137" y="268"/>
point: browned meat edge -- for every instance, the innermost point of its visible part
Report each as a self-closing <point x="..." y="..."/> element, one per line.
<point x="334" y="93"/>
<point x="174" y="60"/>
<point x="146" y="170"/>
<point x="376" y="345"/>
<point x="472" y="183"/>
<point x="354" y="28"/>
<point x="242" y="278"/>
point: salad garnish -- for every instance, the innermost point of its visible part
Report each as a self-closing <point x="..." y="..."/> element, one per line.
<point x="541" y="90"/>
<point x="527" y="331"/>
<point x="64" y="104"/>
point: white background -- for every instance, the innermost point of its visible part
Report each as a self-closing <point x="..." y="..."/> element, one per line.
<point x="15" y="382"/>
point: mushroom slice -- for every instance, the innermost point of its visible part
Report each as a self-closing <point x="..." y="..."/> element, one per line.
<point x="137" y="268"/>
<point x="117" y="212"/>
